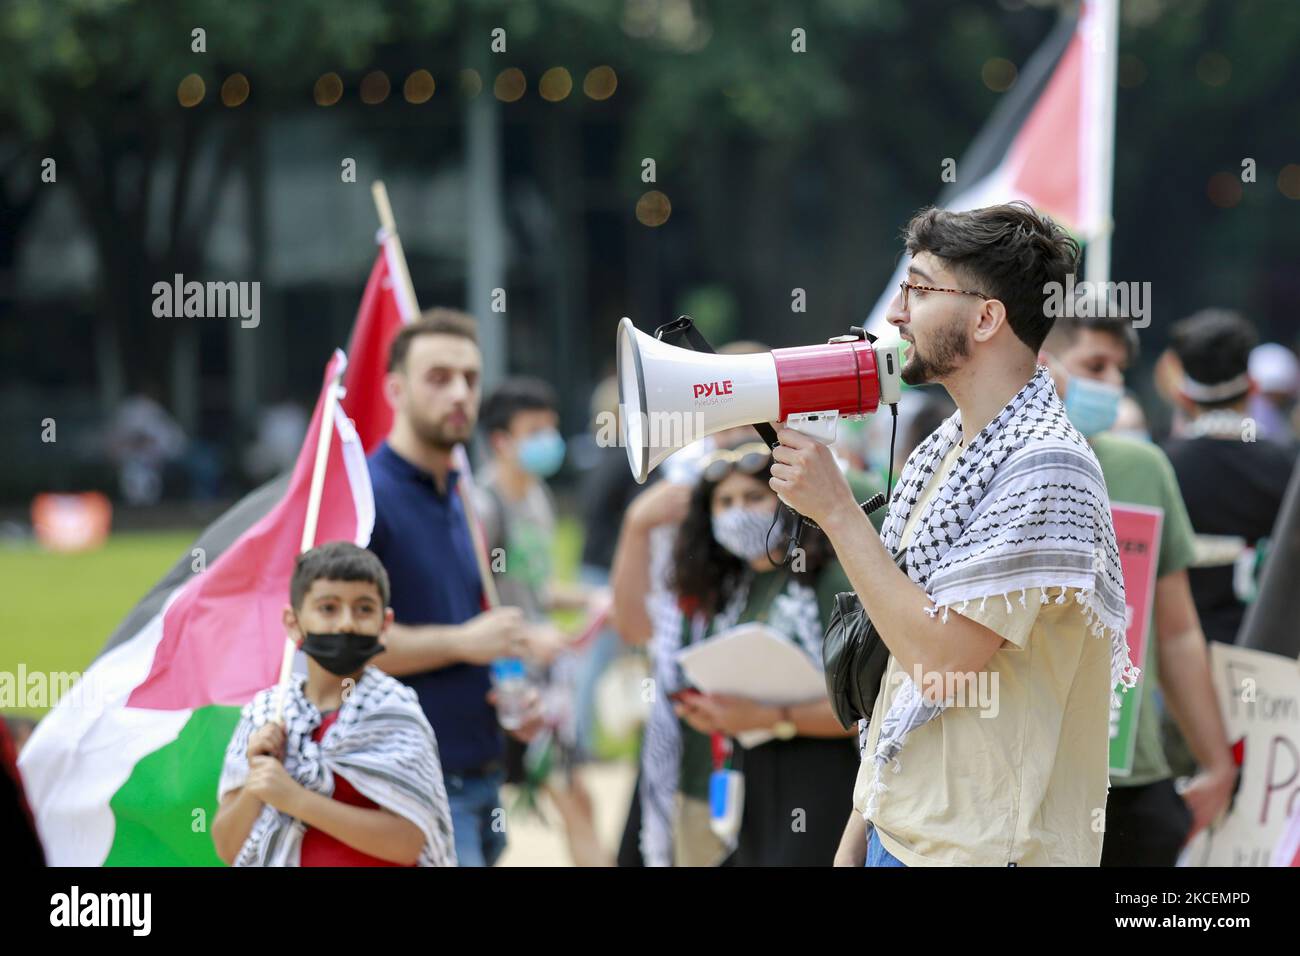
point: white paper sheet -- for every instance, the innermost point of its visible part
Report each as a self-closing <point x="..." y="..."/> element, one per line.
<point x="753" y="661"/>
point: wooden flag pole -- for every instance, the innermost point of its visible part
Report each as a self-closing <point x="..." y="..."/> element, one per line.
<point x="407" y="302"/>
<point x="313" y="518"/>
<point x="461" y="456"/>
<point x="476" y="530"/>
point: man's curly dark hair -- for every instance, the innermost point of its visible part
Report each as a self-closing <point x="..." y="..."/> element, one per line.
<point x="1008" y="252"/>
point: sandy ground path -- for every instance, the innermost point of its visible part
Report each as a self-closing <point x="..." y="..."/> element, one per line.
<point x="535" y="843"/>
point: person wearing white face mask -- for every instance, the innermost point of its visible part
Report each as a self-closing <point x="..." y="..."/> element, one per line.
<point x="518" y="513"/>
<point x="726" y="572"/>
<point x="1147" y="820"/>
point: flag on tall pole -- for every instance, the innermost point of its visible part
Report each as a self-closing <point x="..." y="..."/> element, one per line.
<point x="388" y="303"/>
<point x="124" y="769"/>
<point x="1050" y="142"/>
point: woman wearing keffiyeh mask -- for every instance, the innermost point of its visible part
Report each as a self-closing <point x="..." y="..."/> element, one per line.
<point x="989" y="740"/>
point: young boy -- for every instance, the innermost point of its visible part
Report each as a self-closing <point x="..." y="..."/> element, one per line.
<point x="347" y="774"/>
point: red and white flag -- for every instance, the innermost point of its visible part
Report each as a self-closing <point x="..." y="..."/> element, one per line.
<point x="386" y="305"/>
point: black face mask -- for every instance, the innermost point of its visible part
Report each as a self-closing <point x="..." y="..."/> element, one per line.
<point x="341" y="654"/>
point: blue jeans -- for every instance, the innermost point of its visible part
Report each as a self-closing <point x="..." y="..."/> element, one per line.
<point x="877" y="855"/>
<point x="477" y="818"/>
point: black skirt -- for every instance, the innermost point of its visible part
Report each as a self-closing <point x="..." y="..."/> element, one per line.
<point x="798" y="797"/>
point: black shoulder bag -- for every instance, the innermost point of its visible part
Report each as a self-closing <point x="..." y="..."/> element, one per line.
<point x="854" y="657"/>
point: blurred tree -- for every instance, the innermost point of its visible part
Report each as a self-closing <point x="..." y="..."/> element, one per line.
<point x="790" y="157"/>
<point x="94" y="83"/>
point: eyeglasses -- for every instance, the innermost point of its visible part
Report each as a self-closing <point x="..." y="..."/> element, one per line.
<point x="905" y="286"/>
<point x="749" y="459"/>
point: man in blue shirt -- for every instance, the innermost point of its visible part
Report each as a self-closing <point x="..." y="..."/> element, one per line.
<point x="442" y="640"/>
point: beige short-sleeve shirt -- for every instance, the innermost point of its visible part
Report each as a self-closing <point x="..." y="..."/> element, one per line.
<point x="1015" y="772"/>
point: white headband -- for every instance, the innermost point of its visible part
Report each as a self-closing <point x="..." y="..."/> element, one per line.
<point x="1219" y="391"/>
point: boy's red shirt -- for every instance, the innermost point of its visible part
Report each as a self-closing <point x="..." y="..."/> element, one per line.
<point x="321" y="849"/>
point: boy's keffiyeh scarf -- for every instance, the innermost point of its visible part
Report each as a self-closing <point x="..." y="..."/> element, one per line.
<point x="381" y="743"/>
<point x="1025" y="506"/>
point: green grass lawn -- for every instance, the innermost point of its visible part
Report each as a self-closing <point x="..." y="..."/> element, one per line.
<point x="60" y="608"/>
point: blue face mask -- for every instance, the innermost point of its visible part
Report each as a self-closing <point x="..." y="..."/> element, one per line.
<point x="542" y="453"/>
<point x="1092" y="406"/>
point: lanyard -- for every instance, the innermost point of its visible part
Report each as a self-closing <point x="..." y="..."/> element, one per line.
<point x="721" y="751"/>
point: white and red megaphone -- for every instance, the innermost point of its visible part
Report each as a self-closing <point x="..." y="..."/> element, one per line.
<point x="671" y="396"/>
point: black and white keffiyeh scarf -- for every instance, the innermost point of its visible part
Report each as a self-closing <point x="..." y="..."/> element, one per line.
<point x="1024" y="506"/>
<point x="381" y="742"/>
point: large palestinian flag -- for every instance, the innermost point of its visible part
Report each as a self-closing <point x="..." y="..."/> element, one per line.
<point x="124" y="770"/>
<point x="1041" y="144"/>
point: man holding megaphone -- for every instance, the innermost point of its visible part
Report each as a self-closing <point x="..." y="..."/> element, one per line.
<point x="1006" y="633"/>
<point x="1005" y="621"/>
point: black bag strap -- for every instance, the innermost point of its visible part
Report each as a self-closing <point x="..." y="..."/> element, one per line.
<point x="682" y="332"/>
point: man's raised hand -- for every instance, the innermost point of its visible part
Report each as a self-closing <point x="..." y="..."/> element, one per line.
<point x="493" y="634"/>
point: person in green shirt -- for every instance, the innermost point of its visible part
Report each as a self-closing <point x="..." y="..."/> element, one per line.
<point x="1147" y="820"/>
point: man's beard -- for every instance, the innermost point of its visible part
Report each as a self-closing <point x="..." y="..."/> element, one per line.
<point x="943" y="356"/>
<point x="440" y="434"/>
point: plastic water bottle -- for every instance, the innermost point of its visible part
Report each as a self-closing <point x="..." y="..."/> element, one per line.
<point x="510" y="680"/>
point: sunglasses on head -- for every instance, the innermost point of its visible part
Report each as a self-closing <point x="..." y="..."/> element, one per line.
<point x="748" y="459"/>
